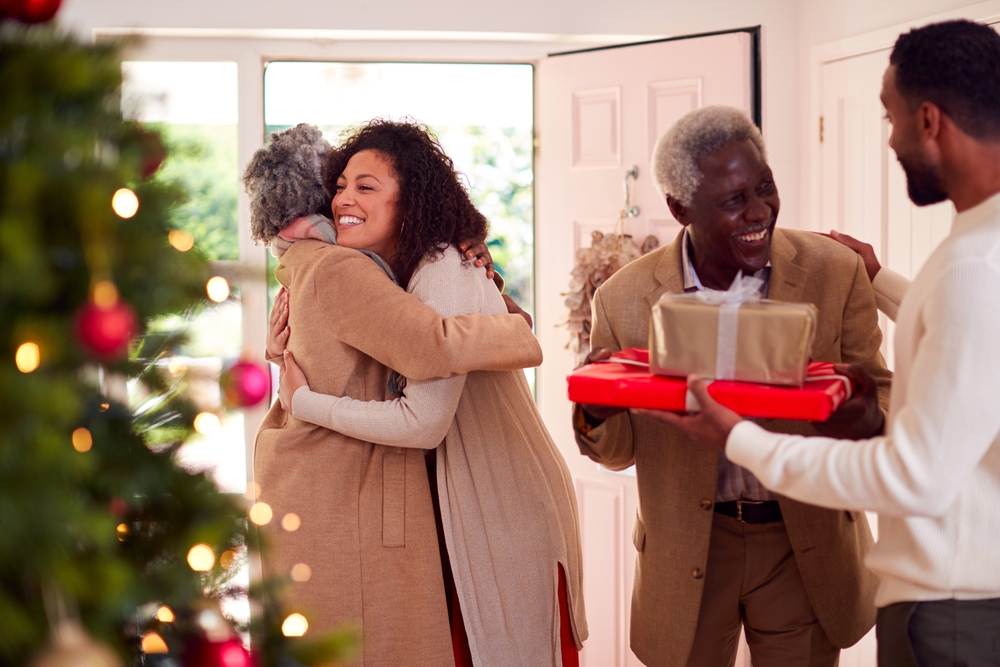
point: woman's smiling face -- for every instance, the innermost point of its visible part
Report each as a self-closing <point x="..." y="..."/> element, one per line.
<point x="364" y="205"/>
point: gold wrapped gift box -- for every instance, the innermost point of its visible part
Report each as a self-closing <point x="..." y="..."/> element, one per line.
<point x="773" y="339"/>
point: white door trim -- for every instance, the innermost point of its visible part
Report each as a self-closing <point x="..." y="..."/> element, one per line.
<point x="855" y="45"/>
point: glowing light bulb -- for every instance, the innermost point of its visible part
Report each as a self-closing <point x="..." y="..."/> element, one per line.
<point x="105" y="294"/>
<point x="227" y="558"/>
<point x="122" y="531"/>
<point x="165" y="614"/>
<point x="301" y="572"/>
<point x="28" y="357"/>
<point x="82" y="440"/>
<point x="295" y="625"/>
<point x="217" y="288"/>
<point x="153" y="643"/>
<point x="201" y="558"/>
<point x="260" y="513"/>
<point x="180" y="240"/>
<point x="125" y="203"/>
<point x="207" y="423"/>
<point x="291" y="522"/>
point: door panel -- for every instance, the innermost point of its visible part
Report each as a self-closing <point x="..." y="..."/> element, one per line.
<point x="600" y="114"/>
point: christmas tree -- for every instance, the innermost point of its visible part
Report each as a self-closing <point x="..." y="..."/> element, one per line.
<point x="109" y="552"/>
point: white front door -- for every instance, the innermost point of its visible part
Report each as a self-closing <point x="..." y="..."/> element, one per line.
<point x="600" y="113"/>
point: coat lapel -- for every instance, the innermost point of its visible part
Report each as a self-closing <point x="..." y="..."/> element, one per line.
<point x="668" y="275"/>
<point x="788" y="278"/>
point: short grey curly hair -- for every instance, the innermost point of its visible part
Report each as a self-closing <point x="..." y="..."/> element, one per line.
<point x="286" y="179"/>
<point x="697" y="134"/>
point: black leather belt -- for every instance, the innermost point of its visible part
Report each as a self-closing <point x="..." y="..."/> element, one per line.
<point x="751" y="511"/>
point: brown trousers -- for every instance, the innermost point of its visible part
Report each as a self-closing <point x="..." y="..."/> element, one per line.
<point x="752" y="580"/>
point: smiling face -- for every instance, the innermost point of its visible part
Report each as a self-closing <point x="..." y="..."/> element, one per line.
<point x="364" y="205"/>
<point x="923" y="170"/>
<point x="731" y="217"/>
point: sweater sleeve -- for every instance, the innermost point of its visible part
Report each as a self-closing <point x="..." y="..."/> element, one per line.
<point x="368" y="312"/>
<point x="890" y="287"/>
<point x="422" y="416"/>
<point x="946" y="424"/>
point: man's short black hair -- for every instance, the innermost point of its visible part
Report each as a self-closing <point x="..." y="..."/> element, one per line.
<point x="956" y="66"/>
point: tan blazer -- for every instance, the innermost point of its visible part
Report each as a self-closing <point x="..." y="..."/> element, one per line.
<point x="677" y="480"/>
<point x="367" y="525"/>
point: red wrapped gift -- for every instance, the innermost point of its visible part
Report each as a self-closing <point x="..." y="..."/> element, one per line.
<point x="625" y="381"/>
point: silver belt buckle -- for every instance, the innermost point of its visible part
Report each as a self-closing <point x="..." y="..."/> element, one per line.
<point x="739" y="507"/>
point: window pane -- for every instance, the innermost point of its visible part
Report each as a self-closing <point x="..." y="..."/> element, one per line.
<point x="194" y="105"/>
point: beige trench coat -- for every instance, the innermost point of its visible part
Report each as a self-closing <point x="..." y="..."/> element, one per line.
<point x="367" y="525"/>
<point x="677" y="480"/>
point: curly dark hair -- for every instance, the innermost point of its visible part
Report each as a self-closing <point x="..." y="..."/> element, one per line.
<point x="956" y="66"/>
<point x="434" y="209"/>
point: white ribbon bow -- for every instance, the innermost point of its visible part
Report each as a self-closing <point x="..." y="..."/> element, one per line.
<point x="745" y="289"/>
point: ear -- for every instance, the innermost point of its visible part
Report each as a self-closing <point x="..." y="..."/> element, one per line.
<point x="928" y="121"/>
<point x="678" y="210"/>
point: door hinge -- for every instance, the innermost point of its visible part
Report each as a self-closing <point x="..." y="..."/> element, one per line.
<point x="536" y="143"/>
<point x="820" y="129"/>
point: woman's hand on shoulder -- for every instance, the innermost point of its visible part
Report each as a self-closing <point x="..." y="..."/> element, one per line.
<point x="277" y="327"/>
<point x="291" y="379"/>
<point x="478" y="252"/>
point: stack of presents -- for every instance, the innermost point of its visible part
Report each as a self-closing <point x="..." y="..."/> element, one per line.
<point x="754" y="351"/>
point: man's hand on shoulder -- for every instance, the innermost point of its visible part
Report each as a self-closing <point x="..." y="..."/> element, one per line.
<point x="866" y="251"/>
<point x="860" y="416"/>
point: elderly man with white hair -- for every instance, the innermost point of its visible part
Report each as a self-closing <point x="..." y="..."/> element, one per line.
<point x="716" y="550"/>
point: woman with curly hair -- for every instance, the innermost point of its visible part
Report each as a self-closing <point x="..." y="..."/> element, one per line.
<point x="507" y="509"/>
<point x="354" y="523"/>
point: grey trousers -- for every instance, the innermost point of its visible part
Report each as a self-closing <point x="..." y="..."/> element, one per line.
<point x="945" y="633"/>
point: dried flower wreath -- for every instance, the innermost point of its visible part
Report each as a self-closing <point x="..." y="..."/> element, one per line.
<point x="594" y="265"/>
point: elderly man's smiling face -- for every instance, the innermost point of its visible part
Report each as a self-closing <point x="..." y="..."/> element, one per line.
<point x="732" y="214"/>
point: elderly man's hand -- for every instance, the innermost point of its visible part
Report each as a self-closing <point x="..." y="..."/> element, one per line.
<point x="860" y="416"/>
<point x="598" y="413"/>
<point x="710" y="427"/>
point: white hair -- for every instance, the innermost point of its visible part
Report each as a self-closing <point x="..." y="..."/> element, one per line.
<point x="697" y="134"/>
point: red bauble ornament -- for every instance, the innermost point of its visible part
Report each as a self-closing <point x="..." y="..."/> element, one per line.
<point x="30" y="11"/>
<point x="105" y="332"/>
<point x="204" y="653"/>
<point x="153" y="151"/>
<point x="246" y="384"/>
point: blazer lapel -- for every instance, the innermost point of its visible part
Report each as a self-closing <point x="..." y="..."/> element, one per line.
<point x="788" y="278"/>
<point x="668" y="276"/>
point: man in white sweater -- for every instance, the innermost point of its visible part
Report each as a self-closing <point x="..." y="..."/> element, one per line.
<point x="935" y="477"/>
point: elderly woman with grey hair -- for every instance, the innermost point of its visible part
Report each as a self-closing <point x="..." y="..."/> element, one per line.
<point x="718" y="552"/>
<point x="354" y="524"/>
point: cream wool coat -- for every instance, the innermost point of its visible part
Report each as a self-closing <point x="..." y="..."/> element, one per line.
<point x="677" y="480"/>
<point x="508" y="505"/>
<point x="367" y="525"/>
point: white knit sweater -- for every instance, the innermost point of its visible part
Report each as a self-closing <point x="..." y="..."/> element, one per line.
<point x="934" y="478"/>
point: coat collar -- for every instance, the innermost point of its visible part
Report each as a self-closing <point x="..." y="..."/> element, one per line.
<point x="787" y="280"/>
